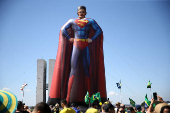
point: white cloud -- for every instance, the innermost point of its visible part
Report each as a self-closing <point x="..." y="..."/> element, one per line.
<point x="5" y="88"/>
<point x="112" y="93"/>
<point x="27" y="90"/>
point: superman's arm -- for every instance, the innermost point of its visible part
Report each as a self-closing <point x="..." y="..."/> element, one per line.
<point x="65" y="27"/>
<point x="97" y="28"/>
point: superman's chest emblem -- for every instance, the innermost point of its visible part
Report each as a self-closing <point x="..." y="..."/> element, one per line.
<point x="81" y="23"/>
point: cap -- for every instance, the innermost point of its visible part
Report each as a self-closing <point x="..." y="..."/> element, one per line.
<point x="138" y="107"/>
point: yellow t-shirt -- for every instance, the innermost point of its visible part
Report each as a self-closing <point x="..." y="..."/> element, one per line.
<point x="68" y="110"/>
<point x="92" y="110"/>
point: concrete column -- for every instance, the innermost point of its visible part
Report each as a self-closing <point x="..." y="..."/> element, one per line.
<point x="41" y="81"/>
<point x="50" y="73"/>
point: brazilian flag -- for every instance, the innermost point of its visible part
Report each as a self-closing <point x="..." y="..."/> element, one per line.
<point x="87" y="98"/>
<point x="149" y="84"/>
<point x="132" y="102"/>
<point x="147" y="102"/>
<point x="94" y="97"/>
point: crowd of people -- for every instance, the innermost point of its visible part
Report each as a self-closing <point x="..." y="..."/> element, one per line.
<point x="106" y="107"/>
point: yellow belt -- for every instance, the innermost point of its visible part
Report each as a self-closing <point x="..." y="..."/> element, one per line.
<point x="83" y="40"/>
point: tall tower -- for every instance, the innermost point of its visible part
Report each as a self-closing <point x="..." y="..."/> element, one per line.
<point x="41" y="81"/>
<point x="50" y="73"/>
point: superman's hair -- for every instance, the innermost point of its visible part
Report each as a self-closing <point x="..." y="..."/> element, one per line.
<point x="81" y="7"/>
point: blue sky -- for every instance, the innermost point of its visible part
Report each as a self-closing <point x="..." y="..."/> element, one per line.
<point x="136" y="43"/>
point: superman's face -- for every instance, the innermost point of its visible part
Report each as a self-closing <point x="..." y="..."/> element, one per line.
<point x="81" y="13"/>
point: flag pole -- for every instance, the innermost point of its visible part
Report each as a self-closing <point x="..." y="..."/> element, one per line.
<point x="120" y="96"/>
<point x="22" y="96"/>
<point x="150" y="93"/>
<point x="121" y="91"/>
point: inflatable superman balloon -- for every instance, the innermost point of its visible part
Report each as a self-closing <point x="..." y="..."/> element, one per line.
<point x="79" y="65"/>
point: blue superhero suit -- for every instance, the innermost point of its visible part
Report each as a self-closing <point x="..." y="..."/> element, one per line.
<point x="81" y="28"/>
<point x="79" y="66"/>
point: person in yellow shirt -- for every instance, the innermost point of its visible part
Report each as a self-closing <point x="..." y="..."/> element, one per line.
<point x="65" y="108"/>
<point x="93" y="108"/>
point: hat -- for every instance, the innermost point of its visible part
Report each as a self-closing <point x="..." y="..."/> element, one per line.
<point x="138" y="107"/>
<point x="57" y="105"/>
<point x="118" y="103"/>
<point x="8" y="102"/>
<point x="158" y="107"/>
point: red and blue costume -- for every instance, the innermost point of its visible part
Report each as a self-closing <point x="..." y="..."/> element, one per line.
<point x="79" y="65"/>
